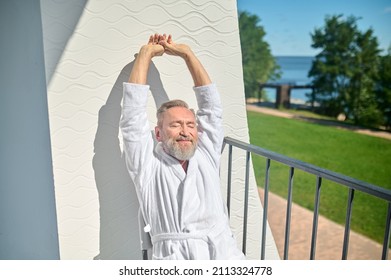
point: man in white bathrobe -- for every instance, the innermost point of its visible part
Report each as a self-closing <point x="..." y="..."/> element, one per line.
<point x="177" y="181"/>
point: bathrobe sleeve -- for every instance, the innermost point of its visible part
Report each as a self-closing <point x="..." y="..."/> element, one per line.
<point x="209" y="118"/>
<point x="137" y="137"/>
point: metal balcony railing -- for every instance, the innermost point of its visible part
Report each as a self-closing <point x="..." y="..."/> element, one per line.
<point x="348" y="182"/>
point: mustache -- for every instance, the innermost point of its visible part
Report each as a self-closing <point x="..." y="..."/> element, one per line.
<point x="184" y="138"/>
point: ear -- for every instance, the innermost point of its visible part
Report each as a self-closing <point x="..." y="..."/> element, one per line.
<point x="158" y="134"/>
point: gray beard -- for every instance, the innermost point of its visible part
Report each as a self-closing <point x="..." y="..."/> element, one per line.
<point x="173" y="149"/>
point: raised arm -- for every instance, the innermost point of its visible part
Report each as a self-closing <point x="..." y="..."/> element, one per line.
<point x="209" y="114"/>
<point x="139" y="72"/>
<point x="138" y="142"/>
<point x="197" y="70"/>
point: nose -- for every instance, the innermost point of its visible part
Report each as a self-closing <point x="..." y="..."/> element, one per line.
<point x="184" y="131"/>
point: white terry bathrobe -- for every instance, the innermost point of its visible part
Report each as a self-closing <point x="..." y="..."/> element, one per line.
<point x="185" y="211"/>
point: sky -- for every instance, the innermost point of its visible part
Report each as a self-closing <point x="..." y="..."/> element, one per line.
<point x="289" y="23"/>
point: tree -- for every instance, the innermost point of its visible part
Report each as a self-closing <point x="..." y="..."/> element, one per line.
<point x="383" y="88"/>
<point x="259" y="65"/>
<point x="345" y="71"/>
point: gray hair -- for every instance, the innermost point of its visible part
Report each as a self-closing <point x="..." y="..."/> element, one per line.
<point x="168" y="105"/>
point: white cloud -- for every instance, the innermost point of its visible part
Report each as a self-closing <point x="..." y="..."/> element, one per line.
<point x="387" y="10"/>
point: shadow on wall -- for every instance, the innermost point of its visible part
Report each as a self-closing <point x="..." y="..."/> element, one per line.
<point x="119" y="230"/>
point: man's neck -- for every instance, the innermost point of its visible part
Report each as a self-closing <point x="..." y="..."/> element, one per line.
<point x="184" y="164"/>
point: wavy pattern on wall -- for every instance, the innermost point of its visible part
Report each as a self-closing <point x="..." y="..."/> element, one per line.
<point x="89" y="49"/>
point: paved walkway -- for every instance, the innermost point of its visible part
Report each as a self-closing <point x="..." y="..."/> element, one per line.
<point x="330" y="235"/>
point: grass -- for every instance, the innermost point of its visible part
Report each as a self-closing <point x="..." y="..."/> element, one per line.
<point x="359" y="156"/>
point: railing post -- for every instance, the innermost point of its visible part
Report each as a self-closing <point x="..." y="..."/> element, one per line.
<point x="315" y="219"/>
<point x="229" y="179"/>
<point x="386" y="241"/>
<point x="347" y="225"/>
<point x="265" y="207"/>
<point x="246" y="189"/>
<point x="288" y="213"/>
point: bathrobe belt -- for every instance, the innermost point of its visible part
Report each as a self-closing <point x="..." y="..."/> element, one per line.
<point x="207" y="235"/>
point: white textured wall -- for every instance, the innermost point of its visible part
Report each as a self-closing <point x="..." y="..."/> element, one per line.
<point x="89" y="49"/>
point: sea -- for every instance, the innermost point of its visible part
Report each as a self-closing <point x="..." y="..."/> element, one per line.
<point x="294" y="71"/>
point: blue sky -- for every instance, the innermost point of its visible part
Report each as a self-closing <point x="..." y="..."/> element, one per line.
<point x="288" y="23"/>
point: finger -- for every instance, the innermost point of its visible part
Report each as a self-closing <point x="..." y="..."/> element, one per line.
<point x="163" y="43"/>
<point x="162" y="37"/>
<point x="150" y="41"/>
<point x="169" y="40"/>
<point x="156" y="38"/>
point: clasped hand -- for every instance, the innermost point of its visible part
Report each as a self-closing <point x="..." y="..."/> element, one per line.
<point x="160" y="44"/>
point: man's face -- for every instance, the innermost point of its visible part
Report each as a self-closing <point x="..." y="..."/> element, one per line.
<point x="178" y="133"/>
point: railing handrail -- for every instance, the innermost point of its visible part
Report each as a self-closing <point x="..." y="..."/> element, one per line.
<point x="315" y="170"/>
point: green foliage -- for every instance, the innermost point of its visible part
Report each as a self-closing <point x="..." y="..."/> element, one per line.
<point x="346" y="70"/>
<point x="359" y="156"/>
<point x="258" y="63"/>
<point x="383" y="89"/>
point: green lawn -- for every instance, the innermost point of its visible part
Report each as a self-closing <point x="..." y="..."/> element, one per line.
<point x="359" y="156"/>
